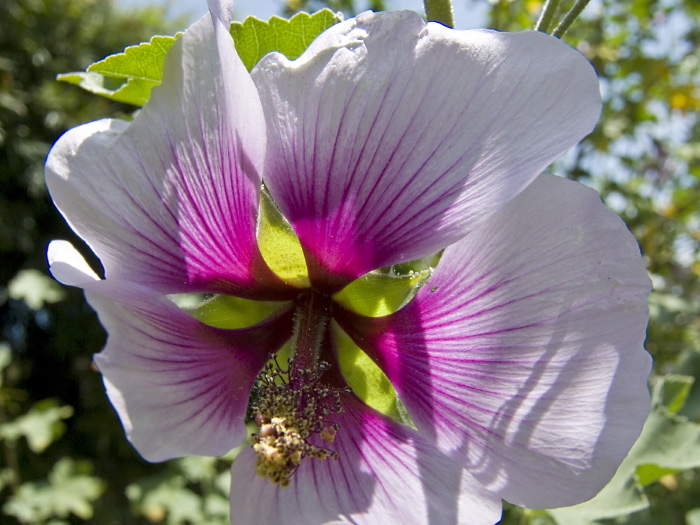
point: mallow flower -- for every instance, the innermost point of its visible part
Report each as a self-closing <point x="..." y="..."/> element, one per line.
<point x="519" y="361"/>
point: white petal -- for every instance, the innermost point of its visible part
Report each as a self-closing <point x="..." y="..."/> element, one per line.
<point x="67" y="265"/>
<point x="389" y="139"/>
<point x="179" y="387"/>
<point x="170" y="200"/>
<point x="221" y="9"/>
<point x="523" y="355"/>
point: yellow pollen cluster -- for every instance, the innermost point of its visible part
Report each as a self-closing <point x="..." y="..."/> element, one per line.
<point x="288" y="411"/>
<point x="280" y="450"/>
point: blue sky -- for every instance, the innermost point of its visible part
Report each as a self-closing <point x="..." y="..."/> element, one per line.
<point x="468" y="13"/>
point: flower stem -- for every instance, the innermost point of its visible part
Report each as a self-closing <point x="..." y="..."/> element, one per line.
<point x="440" y="11"/>
<point x="572" y="15"/>
<point x="547" y="16"/>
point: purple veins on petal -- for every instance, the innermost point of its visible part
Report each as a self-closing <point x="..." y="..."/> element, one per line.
<point x="375" y="163"/>
<point x="385" y="472"/>
<point x="174" y="207"/>
<point x="523" y="355"/>
<point x="180" y="387"/>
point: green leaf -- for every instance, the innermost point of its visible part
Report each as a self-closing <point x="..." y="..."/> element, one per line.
<point x="376" y="294"/>
<point x="131" y="91"/>
<point x="255" y="38"/>
<point x="668" y="441"/>
<point x="41" y="426"/>
<point x="648" y="474"/>
<point x="5" y="359"/>
<point x="143" y="61"/>
<point x="621" y="497"/>
<point x="35" y="288"/>
<point x="126" y="77"/>
<point x="158" y="497"/>
<point x="692" y="517"/>
<point x="7" y="478"/>
<point x="129" y="76"/>
<point x="688" y="364"/>
<point x="671" y="391"/>
<point x="513" y="515"/>
<point x="198" y="468"/>
<point x="189" y="490"/>
<point x="70" y="490"/>
<point x="217" y="506"/>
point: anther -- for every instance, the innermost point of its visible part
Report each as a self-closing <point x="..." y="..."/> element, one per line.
<point x="289" y="409"/>
<point x="328" y="434"/>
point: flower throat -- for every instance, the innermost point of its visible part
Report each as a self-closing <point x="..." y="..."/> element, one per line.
<point x="292" y="404"/>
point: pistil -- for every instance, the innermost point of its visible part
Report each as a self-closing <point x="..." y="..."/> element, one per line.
<point x="310" y="328"/>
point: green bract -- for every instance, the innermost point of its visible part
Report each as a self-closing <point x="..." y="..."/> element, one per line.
<point x="376" y="294"/>
<point x="365" y="378"/>
<point x="225" y="311"/>
<point x="279" y="245"/>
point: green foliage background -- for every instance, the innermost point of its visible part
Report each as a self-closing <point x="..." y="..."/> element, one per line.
<point x="63" y="455"/>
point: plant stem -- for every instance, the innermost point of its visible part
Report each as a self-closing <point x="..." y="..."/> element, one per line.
<point x="440" y="11"/>
<point x="572" y="15"/>
<point x="547" y="16"/>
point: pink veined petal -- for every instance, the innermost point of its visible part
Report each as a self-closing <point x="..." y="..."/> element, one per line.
<point x="180" y="387"/>
<point x="523" y="355"/>
<point x="170" y="200"/>
<point x="386" y="473"/>
<point x="389" y="139"/>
